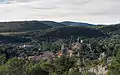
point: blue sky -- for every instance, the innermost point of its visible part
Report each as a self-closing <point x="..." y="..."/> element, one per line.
<point x="92" y="11"/>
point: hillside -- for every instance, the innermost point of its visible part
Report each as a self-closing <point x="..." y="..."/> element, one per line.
<point x="12" y="39"/>
<point x="65" y="32"/>
<point x="70" y="23"/>
<point x="22" y="26"/>
<point x="53" y="24"/>
<point x="111" y="29"/>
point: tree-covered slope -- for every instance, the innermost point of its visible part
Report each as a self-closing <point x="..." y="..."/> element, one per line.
<point x="12" y="39"/>
<point x="111" y="29"/>
<point x="52" y="23"/>
<point x="70" y="23"/>
<point x="65" y="32"/>
<point x="22" y="26"/>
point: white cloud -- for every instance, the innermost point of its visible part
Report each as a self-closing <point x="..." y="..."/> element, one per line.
<point x="93" y="11"/>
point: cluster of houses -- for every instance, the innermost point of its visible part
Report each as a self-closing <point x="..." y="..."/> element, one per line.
<point x="68" y="51"/>
<point x="65" y="50"/>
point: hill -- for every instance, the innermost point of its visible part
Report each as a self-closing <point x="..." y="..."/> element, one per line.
<point x="77" y="31"/>
<point x="12" y="39"/>
<point x="111" y="29"/>
<point x="70" y="23"/>
<point x="53" y="24"/>
<point x="22" y="26"/>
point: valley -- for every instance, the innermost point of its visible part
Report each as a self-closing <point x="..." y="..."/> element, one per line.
<point x="70" y="48"/>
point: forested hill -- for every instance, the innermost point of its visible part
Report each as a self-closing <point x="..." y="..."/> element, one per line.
<point x="60" y="29"/>
<point x="53" y="24"/>
<point x="35" y="25"/>
<point x="22" y="26"/>
<point x="70" y="23"/>
<point x="77" y="31"/>
<point x="111" y="29"/>
<point x="12" y="39"/>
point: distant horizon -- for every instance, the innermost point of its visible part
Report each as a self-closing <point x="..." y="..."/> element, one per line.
<point x="63" y="21"/>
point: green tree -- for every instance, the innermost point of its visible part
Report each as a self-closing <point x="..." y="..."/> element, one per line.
<point x="89" y="73"/>
<point x="73" y="72"/>
<point x="3" y="70"/>
<point x="2" y="59"/>
<point x="35" y="69"/>
<point x="16" y="66"/>
<point x="64" y="63"/>
<point x="114" y="68"/>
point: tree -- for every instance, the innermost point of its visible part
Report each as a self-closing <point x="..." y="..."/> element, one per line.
<point x="3" y="70"/>
<point x="35" y="69"/>
<point x="16" y="66"/>
<point x="89" y="73"/>
<point x="2" y="59"/>
<point x="114" y="68"/>
<point x="64" y="63"/>
<point x="73" y="72"/>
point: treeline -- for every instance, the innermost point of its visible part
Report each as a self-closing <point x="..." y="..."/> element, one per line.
<point x="13" y="39"/>
<point x="75" y="31"/>
<point x="35" y="25"/>
<point x="22" y="26"/>
<point x="111" y="29"/>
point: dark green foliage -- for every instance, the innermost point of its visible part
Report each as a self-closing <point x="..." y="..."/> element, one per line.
<point x="53" y="24"/>
<point x="16" y="66"/>
<point x="13" y="67"/>
<point x="64" y="63"/>
<point x="2" y="59"/>
<point x="89" y="73"/>
<point x="73" y="72"/>
<point x="66" y="32"/>
<point x="22" y="26"/>
<point x="114" y="68"/>
<point x="13" y="39"/>
<point x="69" y="23"/>
<point x="49" y="36"/>
<point x="36" y="69"/>
<point x="112" y="29"/>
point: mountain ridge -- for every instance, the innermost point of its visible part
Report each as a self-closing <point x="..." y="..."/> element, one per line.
<point x="16" y="26"/>
<point x="72" y="23"/>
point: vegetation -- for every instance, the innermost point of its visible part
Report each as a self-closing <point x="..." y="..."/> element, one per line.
<point x="22" y="26"/>
<point x="74" y="31"/>
<point x="26" y="53"/>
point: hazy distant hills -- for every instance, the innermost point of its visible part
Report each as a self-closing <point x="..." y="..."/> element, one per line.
<point x="35" y="25"/>
<point x="70" y="23"/>
<point x="67" y="28"/>
<point x="47" y="29"/>
<point x="22" y="26"/>
<point x="65" y="23"/>
<point x="53" y="23"/>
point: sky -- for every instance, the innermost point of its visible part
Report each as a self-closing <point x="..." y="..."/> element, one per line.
<point x="91" y="11"/>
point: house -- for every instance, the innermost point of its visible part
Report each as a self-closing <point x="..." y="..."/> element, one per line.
<point x="44" y="56"/>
